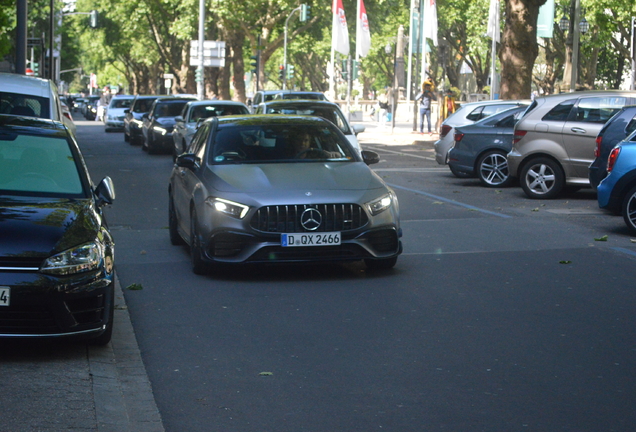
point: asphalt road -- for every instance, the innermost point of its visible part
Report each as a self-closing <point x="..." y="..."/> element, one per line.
<point x="503" y="314"/>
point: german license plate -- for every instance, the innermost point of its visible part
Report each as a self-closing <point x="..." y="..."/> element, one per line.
<point x="310" y="239"/>
<point x="5" y="296"/>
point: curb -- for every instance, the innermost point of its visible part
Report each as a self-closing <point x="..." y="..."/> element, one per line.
<point x="122" y="392"/>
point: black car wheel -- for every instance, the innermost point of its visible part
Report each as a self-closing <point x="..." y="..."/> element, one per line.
<point x="492" y="169"/>
<point x="542" y="178"/>
<point x="175" y="238"/>
<point x="150" y="144"/>
<point x="629" y="210"/>
<point x="459" y="174"/>
<point x="199" y="267"/>
<point x="126" y="137"/>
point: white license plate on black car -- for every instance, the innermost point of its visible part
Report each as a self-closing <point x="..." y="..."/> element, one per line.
<point x="5" y="296"/>
<point x="310" y="239"/>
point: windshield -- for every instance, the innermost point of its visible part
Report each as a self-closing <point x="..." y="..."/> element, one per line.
<point x="169" y="109"/>
<point x="328" y="113"/>
<point x="200" y="112"/>
<point x="279" y="143"/>
<point x="37" y="165"/>
<point x="120" y="103"/>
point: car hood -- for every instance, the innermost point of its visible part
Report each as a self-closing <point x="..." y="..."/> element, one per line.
<point x="40" y="228"/>
<point x="312" y="176"/>
<point x="166" y="121"/>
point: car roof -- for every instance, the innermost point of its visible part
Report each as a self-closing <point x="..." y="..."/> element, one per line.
<point x="215" y="102"/>
<point x="261" y="119"/>
<point x="572" y="95"/>
<point x="314" y="102"/>
<point x="26" y="85"/>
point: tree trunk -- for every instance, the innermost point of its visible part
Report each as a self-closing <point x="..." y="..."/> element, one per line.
<point x="519" y="48"/>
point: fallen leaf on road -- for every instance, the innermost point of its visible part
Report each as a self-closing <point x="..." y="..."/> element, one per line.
<point x="565" y="262"/>
<point x="604" y="238"/>
<point x="134" y="287"/>
<point x="266" y="374"/>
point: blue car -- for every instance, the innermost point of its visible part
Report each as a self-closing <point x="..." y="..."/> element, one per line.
<point x="617" y="191"/>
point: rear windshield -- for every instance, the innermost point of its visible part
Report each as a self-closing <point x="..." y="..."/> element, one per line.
<point x="24" y="105"/>
<point x="37" y="165"/>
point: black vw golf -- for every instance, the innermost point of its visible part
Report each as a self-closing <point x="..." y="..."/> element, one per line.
<point x="56" y="253"/>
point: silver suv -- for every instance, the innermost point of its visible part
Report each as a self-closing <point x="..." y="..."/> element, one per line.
<point x="553" y="143"/>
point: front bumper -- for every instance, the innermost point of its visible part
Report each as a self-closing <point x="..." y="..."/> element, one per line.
<point x="242" y="247"/>
<point x="43" y="306"/>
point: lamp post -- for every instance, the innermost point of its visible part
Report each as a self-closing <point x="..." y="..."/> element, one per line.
<point x="573" y="41"/>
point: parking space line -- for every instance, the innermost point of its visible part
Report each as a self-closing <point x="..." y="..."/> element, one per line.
<point x="625" y="251"/>
<point x="402" y="153"/>
<point x="446" y="200"/>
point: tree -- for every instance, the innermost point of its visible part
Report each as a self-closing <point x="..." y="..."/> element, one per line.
<point x="519" y="48"/>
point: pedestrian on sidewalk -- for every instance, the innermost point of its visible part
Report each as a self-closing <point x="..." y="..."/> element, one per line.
<point x="385" y="108"/>
<point x="426" y="99"/>
<point x="449" y="104"/>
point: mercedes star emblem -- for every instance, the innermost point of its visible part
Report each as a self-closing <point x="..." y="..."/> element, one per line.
<point x="311" y="219"/>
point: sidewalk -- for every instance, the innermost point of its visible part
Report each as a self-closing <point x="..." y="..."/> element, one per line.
<point x="401" y="134"/>
<point x="53" y="386"/>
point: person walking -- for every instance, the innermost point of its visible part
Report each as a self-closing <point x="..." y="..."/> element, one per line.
<point x="426" y="99"/>
<point x="449" y="104"/>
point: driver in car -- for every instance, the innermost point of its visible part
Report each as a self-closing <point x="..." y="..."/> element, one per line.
<point x="302" y="149"/>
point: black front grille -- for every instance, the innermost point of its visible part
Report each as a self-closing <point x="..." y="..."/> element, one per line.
<point x="27" y="320"/>
<point x="286" y="218"/>
<point x="87" y="310"/>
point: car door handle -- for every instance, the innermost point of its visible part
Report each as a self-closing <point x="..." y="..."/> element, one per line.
<point x="577" y="130"/>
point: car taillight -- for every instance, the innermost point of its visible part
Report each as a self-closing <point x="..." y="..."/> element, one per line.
<point x="458" y="136"/>
<point x="445" y="130"/>
<point x="611" y="160"/>
<point x="68" y="116"/>
<point x="518" y="135"/>
<point x="597" y="149"/>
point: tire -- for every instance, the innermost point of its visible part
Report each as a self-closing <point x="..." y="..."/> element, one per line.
<point x="381" y="264"/>
<point x="492" y="169"/>
<point x="126" y="137"/>
<point x="542" y="178"/>
<point x="199" y="267"/>
<point x="629" y="210"/>
<point x="144" y="145"/>
<point x="150" y="145"/>
<point x="175" y="237"/>
<point x="107" y="335"/>
<point x="459" y="174"/>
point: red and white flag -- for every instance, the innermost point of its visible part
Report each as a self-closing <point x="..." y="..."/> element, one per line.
<point x="363" y="35"/>
<point x="340" y="32"/>
<point x="430" y="21"/>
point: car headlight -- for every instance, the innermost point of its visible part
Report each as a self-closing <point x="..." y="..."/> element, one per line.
<point x="230" y="208"/>
<point x="378" y="205"/>
<point x="137" y="122"/>
<point x="79" y="259"/>
<point x="160" y="130"/>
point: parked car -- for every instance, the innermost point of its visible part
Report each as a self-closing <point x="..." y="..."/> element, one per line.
<point x="617" y="191"/>
<point x="158" y="124"/>
<point x="480" y="148"/>
<point x="280" y="188"/>
<point x="115" y="112"/>
<point x="33" y="97"/>
<point x="553" y="143"/>
<point x="133" y="121"/>
<point x="195" y="111"/>
<point x="320" y="108"/>
<point x="614" y="131"/>
<point x="56" y="253"/>
<point x="467" y="113"/>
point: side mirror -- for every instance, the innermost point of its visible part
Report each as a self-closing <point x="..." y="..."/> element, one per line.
<point x="357" y="129"/>
<point x="370" y="157"/>
<point x="145" y="116"/>
<point x="127" y="110"/>
<point x="105" y="192"/>
<point x="187" y="160"/>
<point x="178" y="119"/>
